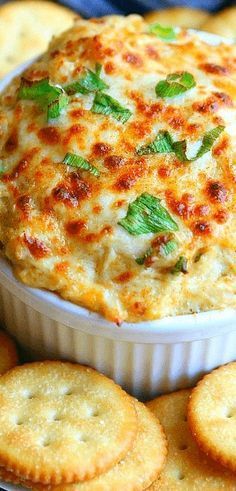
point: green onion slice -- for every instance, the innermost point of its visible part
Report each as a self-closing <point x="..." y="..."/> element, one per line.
<point x="141" y="260"/>
<point x="164" y="143"/>
<point x="90" y="82"/>
<point x="41" y="91"/>
<point x="105" y="104"/>
<point x="180" y="266"/>
<point x="169" y="247"/>
<point x="146" y="215"/>
<point x="2" y="167"/>
<point x="80" y="163"/>
<point x="208" y="140"/>
<point x="57" y="106"/>
<point x="165" y="33"/>
<point x="165" y="250"/>
<point x="45" y="94"/>
<point x="175" y="84"/>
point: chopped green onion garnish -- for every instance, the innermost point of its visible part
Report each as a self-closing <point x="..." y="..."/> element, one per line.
<point x="98" y="69"/>
<point x="2" y="167"/>
<point x="198" y="257"/>
<point x="208" y="140"/>
<point x="180" y="266"/>
<point x="163" y="32"/>
<point x="57" y="106"/>
<point x="175" y="84"/>
<point x="90" y="82"/>
<point x="165" y="250"/>
<point x="146" y="215"/>
<point x="105" y="104"/>
<point x="168" y="248"/>
<point x="41" y="91"/>
<point x="45" y="94"/>
<point x="163" y="143"/>
<point x="141" y="260"/>
<point x="79" y="162"/>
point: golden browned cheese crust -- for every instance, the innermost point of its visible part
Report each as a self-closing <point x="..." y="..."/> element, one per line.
<point x="59" y="225"/>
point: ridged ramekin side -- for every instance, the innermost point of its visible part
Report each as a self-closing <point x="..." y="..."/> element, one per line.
<point x="143" y="369"/>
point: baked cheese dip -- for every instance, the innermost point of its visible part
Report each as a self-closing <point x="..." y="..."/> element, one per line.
<point x="118" y="170"/>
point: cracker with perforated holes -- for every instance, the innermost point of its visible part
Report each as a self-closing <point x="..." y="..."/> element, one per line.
<point x="212" y="415"/>
<point x="135" y="472"/>
<point x="187" y="468"/>
<point x="26" y="28"/>
<point x="63" y="422"/>
<point x="8" y="353"/>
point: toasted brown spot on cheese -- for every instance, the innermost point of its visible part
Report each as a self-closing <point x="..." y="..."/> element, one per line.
<point x="96" y="237"/>
<point x="74" y="131"/>
<point x="133" y="59"/>
<point x="97" y="209"/>
<point x="213" y="103"/>
<point x="201" y="210"/>
<point x="214" y="69"/>
<point x="152" y="52"/>
<point x="139" y="308"/>
<point x="224" y="98"/>
<point x="62" y="267"/>
<point x="36" y="247"/>
<point x="109" y="67"/>
<point x="114" y="162"/>
<point x="221" y="147"/>
<point x="75" y="227"/>
<point x="36" y="74"/>
<point x="72" y="191"/>
<point x="22" y="165"/>
<point x="124" y="277"/>
<point x="202" y="228"/>
<point x="101" y="148"/>
<point x="128" y="179"/>
<point x="209" y="105"/>
<point x="49" y="135"/>
<point x="12" y="142"/>
<point x="23" y="203"/>
<point x="164" y="171"/>
<point x="221" y="216"/>
<point x="182" y="207"/>
<point x="217" y="192"/>
<point x="77" y="113"/>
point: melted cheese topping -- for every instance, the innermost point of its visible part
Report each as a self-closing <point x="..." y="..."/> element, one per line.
<point x="59" y="225"/>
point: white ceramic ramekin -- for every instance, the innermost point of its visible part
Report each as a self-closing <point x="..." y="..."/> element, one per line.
<point x="145" y="358"/>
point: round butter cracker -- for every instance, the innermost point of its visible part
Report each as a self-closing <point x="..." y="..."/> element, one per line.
<point x="135" y="472"/>
<point x="26" y="28"/>
<point x="63" y="422"/>
<point x="8" y="353"/>
<point x="223" y="23"/>
<point x="185" y="17"/>
<point x="212" y="415"/>
<point x="187" y="468"/>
